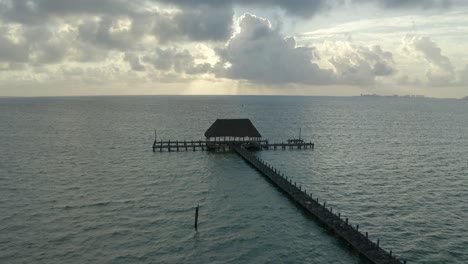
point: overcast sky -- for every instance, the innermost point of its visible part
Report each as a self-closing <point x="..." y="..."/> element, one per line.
<point x="297" y="47"/>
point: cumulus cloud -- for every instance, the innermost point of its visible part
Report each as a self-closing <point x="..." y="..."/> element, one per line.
<point x="360" y="65"/>
<point x="159" y="39"/>
<point x="431" y="52"/>
<point x="440" y="71"/>
<point x="259" y="53"/>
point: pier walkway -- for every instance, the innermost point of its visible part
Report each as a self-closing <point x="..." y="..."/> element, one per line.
<point x="333" y="221"/>
<point x="222" y="145"/>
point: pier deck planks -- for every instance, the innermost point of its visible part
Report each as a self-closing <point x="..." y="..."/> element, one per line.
<point x="356" y="239"/>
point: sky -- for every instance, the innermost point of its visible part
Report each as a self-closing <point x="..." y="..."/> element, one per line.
<point x="234" y="47"/>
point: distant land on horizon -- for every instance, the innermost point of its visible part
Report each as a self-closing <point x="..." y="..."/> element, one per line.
<point x="266" y="95"/>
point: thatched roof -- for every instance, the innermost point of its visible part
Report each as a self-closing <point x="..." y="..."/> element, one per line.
<point x="232" y="128"/>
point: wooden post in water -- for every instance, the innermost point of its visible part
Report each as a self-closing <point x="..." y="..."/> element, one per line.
<point x="196" y="218"/>
<point x="155" y="139"/>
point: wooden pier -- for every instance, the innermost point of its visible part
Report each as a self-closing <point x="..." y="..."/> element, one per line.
<point x="241" y="136"/>
<point x="224" y="145"/>
<point x="333" y="221"/>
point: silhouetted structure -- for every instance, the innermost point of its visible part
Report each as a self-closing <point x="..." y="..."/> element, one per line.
<point x="241" y="131"/>
<point x="240" y="135"/>
<point x="224" y="132"/>
<point x="232" y="129"/>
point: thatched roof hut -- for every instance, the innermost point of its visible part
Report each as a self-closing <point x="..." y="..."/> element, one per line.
<point x="232" y="128"/>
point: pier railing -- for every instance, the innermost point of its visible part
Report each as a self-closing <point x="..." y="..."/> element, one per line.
<point x="194" y="145"/>
<point x="333" y="221"/>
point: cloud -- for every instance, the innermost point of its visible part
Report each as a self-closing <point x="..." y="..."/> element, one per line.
<point x="301" y="8"/>
<point x="160" y="40"/>
<point x="12" y="49"/>
<point x="107" y="32"/>
<point x="410" y="3"/>
<point x="360" y="65"/>
<point x="36" y="45"/>
<point x="172" y="59"/>
<point x="203" y="23"/>
<point x="431" y="52"/>
<point x="259" y="53"/>
<point x="464" y="76"/>
<point x="35" y="12"/>
<point x="134" y="62"/>
<point x="440" y="71"/>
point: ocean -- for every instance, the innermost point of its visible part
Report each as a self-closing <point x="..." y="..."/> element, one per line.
<point x="79" y="182"/>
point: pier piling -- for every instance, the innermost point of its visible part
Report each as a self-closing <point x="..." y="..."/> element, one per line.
<point x="196" y="218"/>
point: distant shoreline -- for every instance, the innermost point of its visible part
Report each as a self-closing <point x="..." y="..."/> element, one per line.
<point x="231" y="95"/>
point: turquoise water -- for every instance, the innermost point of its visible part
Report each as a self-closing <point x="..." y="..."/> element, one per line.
<point x="79" y="182"/>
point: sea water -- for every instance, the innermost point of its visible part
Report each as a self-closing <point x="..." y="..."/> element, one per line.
<point x="80" y="184"/>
